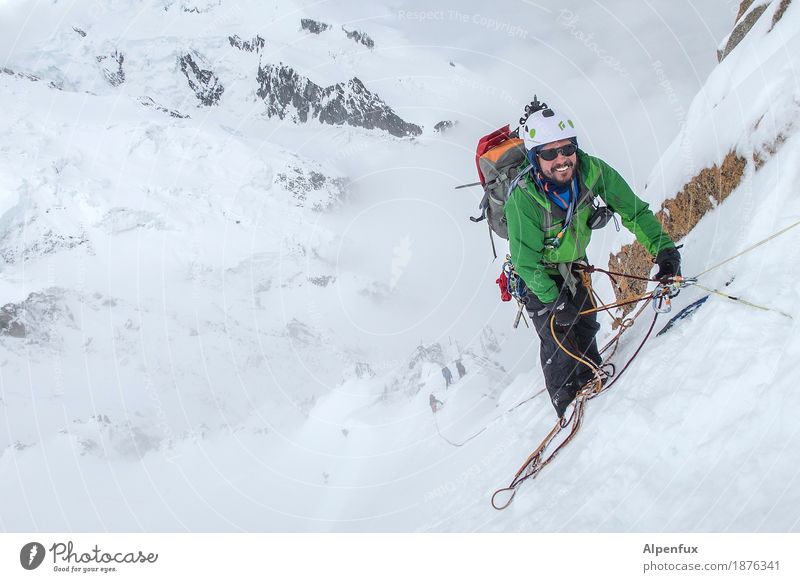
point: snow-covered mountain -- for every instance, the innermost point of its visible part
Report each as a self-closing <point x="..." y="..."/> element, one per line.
<point x="234" y="266"/>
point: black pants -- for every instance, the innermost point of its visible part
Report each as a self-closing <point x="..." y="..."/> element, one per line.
<point x="564" y="375"/>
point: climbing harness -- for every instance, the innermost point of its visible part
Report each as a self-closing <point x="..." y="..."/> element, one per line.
<point x="513" y="287"/>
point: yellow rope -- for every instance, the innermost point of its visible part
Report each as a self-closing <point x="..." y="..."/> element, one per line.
<point x="747" y="250"/>
<point x="536" y="461"/>
<point x="591" y="365"/>
<point x="740" y="300"/>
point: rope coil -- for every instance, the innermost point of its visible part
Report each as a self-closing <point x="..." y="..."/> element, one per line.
<point x="538" y="460"/>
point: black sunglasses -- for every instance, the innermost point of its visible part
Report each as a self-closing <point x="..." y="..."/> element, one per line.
<point x="552" y="154"/>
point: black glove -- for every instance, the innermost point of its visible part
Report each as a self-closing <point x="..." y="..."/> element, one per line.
<point x="565" y="314"/>
<point x="669" y="263"/>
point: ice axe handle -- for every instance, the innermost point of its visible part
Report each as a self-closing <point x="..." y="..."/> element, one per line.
<point x="467" y="185"/>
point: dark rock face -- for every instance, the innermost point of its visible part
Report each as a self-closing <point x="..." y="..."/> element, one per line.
<point x="204" y="83"/>
<point x="148" y="102"/>
<point x="741" y="29"/>
<point x="442" y="126"/>
<point x="79" y="31"/>
<point x="359" y="36"/>
<point x="253" y="45"/>
<point x="287" y="93"/>
<point x="779" y="13"/>
<point x="29" y="77"/>
<point x="313" y="26"/>
<point x="281" y="88"/>
<point x="13" y="73"/>
<point x="112" y="68"/>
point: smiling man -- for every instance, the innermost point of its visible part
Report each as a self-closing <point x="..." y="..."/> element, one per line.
<point x="552" y="208"/>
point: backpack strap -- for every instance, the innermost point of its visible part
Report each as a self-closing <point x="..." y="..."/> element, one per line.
<point x="516" y="180"/>
<point x="547" y="215"/>
<point x="586" y="193"/>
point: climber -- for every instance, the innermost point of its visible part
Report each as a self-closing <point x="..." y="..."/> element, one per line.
<point x="551" y="211"/>
<point x="448" y="376"/>
<point x="435" y="403"/>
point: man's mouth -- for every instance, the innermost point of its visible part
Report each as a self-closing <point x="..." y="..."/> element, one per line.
<point x="562" y="167"/>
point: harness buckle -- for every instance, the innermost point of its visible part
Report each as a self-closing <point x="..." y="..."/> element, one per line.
<point x="552" y="243"/>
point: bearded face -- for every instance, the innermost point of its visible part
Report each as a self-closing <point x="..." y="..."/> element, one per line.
<point x="561" y="169"/>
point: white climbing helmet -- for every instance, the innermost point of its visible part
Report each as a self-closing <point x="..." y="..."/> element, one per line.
<point x="546" y="126"/>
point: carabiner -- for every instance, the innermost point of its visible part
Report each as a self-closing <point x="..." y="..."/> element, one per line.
<point x="661" y="299"/>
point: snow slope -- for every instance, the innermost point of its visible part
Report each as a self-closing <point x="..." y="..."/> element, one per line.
<point x="235" y="321"/>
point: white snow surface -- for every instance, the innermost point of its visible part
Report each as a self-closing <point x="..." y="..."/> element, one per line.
<point x="208" y="348"/>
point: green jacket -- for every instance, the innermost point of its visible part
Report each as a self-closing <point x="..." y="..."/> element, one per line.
<point x="525" y="213"/>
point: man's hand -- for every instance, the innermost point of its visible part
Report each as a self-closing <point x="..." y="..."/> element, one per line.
<point x="669" y="263"/>
<point x="565" y="314"/>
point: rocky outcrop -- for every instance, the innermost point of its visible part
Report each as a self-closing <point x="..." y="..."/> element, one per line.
<point x="432" y="354"/>
<point x="779" y="13"/>
<point x="37" y="317"/>
<point x="149" y="102"/>
<point x="741" y="28"/>
<point x="312" y="189"/>
<point x="411" y="380"/>
<point x="360" y="37"/>
<point x="769" y="149"/>
<point x="200" y="9"/>
<point x="28" y="77"/>
<point x="712" y="185"/>
<point x="111" y="65"/>
<point x="30" y="240"/>
<point x="321" y="280"/>
<point x="13" y="73"/>
<point x="203" y="82"/>
<point x="288" y="94"/>
<point x="679" y="215"/>
<point x="443" y="126"/>
<point x="363" y="370"/>
<point x="254" y="45"/>
<point x="313" y="26"/>
<point x="10" y="320"/>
